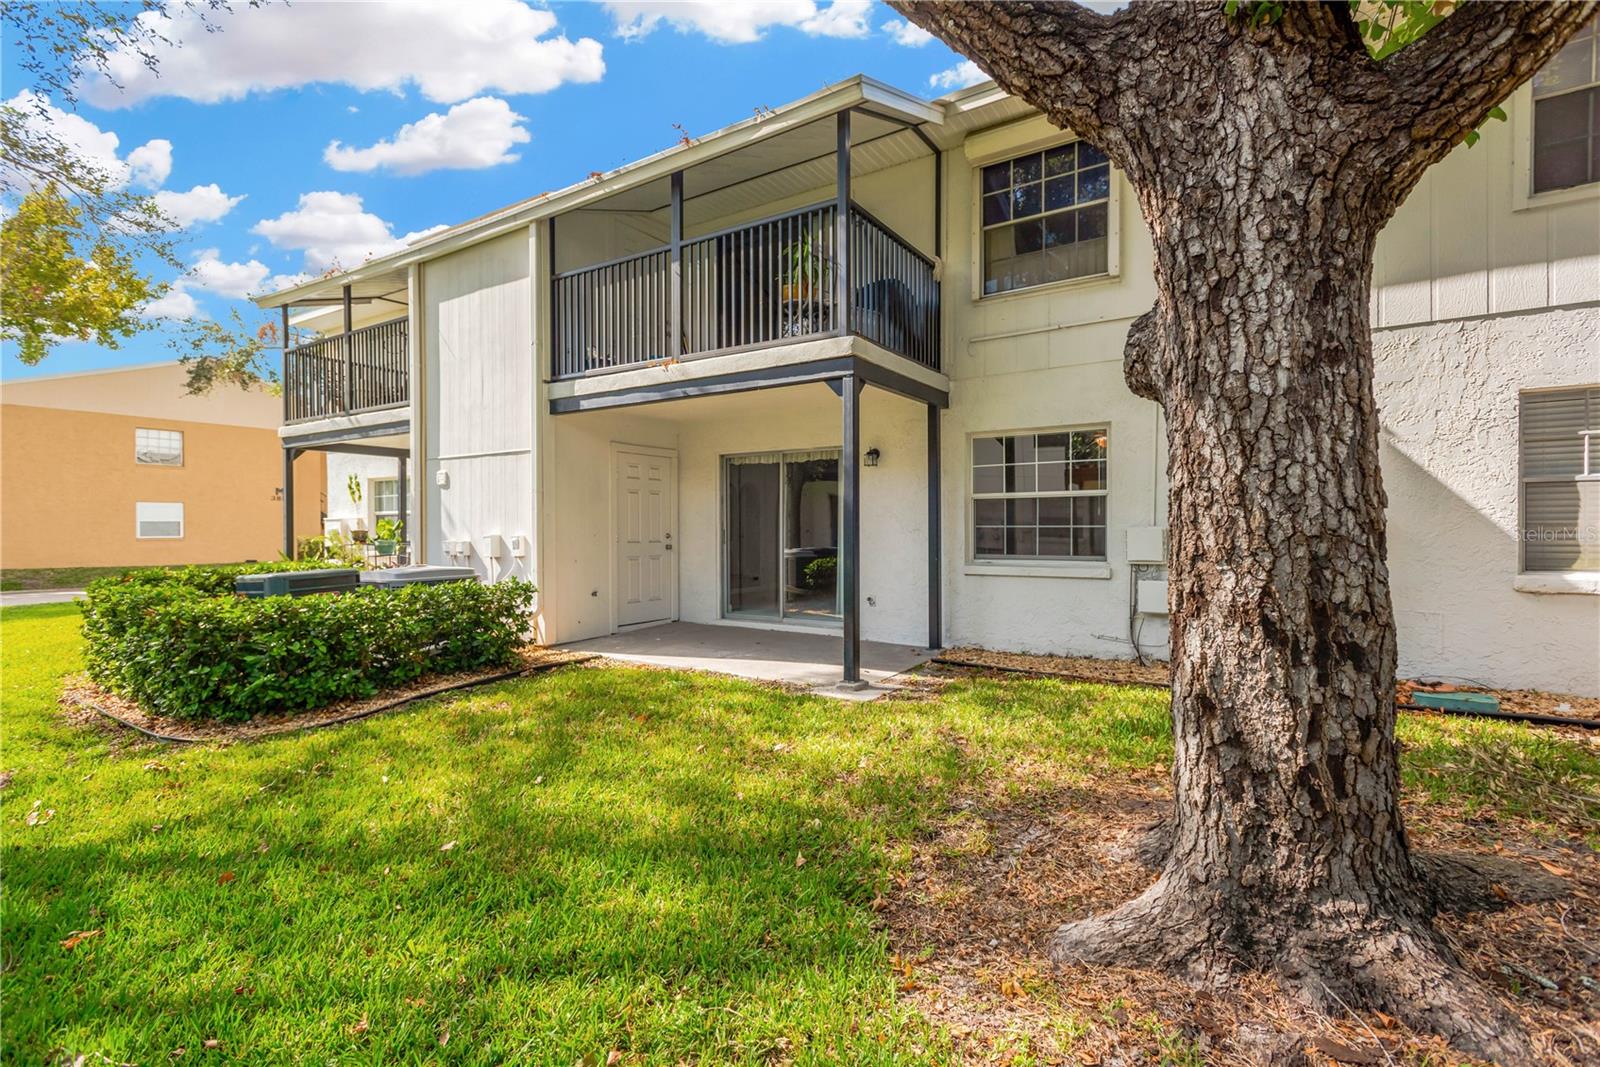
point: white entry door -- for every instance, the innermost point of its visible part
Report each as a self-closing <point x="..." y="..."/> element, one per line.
<point x="646" y="514"/>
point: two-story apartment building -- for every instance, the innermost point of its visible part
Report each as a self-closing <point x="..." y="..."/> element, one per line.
<point x="857" y="366"/>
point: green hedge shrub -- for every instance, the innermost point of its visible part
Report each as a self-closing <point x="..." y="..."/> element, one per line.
<point x="187" y="648"/>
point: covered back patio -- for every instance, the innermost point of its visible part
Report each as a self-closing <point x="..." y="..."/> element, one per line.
<point x="791" y="657"/>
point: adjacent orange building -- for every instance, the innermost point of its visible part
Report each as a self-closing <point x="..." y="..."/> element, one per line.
<point x="123" y="467"/>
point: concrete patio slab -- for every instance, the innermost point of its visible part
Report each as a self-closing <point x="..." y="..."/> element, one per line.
<point x="796" y="657"/>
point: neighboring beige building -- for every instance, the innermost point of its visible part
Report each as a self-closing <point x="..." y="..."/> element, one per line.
<point x="122" y="467"/>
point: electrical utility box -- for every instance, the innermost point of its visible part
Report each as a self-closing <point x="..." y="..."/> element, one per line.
<point x="1147" y="545"/>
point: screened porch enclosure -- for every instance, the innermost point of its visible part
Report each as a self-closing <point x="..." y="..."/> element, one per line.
<point x="699" y="263"/>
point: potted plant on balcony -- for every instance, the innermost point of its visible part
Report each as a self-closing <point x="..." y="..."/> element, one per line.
<point x="803" y="276"/>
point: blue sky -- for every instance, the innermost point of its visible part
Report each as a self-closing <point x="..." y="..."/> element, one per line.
<point x="257" y="139"/>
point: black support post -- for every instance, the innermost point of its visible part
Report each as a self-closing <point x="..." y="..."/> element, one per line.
<point x="675" y="312"/>
<point x="288" y="386"/>
<point x="850" y="528"/>
<point x="935" y="571"/>
<point x="841" y="225"/>
<point x="289" y="455"/>
<point x="349" y="353"/>
<point x="404" y="503"/>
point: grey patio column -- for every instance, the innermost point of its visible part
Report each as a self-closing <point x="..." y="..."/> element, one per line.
<point x="675" y="344"/>
<point x="289" y="455"/>
<point x="850" y="528"/>
<point x="935" y="573"/>
<point x="841" y="225"/>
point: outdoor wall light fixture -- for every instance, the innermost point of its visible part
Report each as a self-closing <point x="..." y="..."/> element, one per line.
<point x="871" y="458"/>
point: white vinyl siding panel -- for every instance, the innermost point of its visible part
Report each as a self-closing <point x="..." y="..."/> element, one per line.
<point x="1560" y="447"/>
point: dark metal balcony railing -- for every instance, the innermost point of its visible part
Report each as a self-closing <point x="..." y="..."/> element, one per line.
<point x="362" y="370"/>
<point x="764" y="283"/>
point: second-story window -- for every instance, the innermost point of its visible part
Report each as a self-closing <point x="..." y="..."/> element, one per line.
<point x="158" y="448"/>
<point x="1566" y="115"/>
<point x="1045" y="217"/>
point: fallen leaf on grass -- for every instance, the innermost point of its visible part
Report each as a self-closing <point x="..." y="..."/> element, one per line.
<point x="211" y="1042"/>
<point x="78" y="937"/>
<point x="613" y="1058"/>
<point x="1555" y="869"/>
<point x="1013" y="988"/>
<point x="37" y="817"/>
<point x="225" y="877"/>
<point x="447" y="846"/>
<point x="444" y="1037"/>
<point x="799" y="859"/>
<point x="359" y="1028"/>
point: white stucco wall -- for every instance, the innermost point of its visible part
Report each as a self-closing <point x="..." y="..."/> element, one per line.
<point x="341" y="465"/>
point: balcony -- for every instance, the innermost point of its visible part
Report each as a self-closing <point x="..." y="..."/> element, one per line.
<point x="766" y="283"/>
<point x="361" y="370"/>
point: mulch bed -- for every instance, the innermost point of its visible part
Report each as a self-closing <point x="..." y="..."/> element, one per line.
<point x="81" y="698"/>
<point x="969" y="919"/>
<point x="1158" y="673"/>
<point x="1074" y="668"/>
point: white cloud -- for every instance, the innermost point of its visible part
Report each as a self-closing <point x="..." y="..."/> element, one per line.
<point x="907" y="33"/>
<point x="92" y="145"/>
<point x="740" y="23"/>
<point x="203" y="203"/>
<point x="236" y="280"/>
<point x="959" y="76"/>
<point x="450" y="50"/>
<point x="151" y="162"/>
<point x="177" y="303"/>
<point x="334" y="230"/>
<point x="470" y="136"/>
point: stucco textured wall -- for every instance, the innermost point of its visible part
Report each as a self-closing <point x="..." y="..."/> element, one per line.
<point x="70" y="484"/>
<point x="1447" y="395"/>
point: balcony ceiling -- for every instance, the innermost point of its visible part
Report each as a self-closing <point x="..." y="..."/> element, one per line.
<point x="772" y="170"/>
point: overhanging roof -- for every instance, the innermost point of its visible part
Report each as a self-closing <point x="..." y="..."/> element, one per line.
<point x="878" y="103"/>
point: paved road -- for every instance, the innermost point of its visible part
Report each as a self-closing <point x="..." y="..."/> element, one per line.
<point x="38" y="596"/>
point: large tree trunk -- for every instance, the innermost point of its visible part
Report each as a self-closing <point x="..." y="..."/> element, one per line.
<point x="1267" y="156"/>
<point x="1288" y="852"/>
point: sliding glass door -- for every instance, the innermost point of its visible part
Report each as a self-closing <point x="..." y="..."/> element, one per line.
<point x="781" y="515"/>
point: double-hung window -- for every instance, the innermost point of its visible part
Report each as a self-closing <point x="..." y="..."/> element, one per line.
<point x="158" y="448"/>
<point x="1560" y="443"/>
<point x="1045" y="217"/>
<point x="1566" y="115"/>
<point x="1040" y="495"/>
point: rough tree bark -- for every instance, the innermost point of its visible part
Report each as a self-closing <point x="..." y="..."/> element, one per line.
<point x="1265" y="161"/>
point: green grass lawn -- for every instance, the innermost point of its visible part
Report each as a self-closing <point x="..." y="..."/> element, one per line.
<point x="674" y="866"/>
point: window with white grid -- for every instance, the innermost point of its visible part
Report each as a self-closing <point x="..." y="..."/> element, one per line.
<point x="1040" y="495"/>
<point x="158" y="448"/>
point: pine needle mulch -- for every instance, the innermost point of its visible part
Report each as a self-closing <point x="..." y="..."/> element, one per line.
<point x="970" y="917"/>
